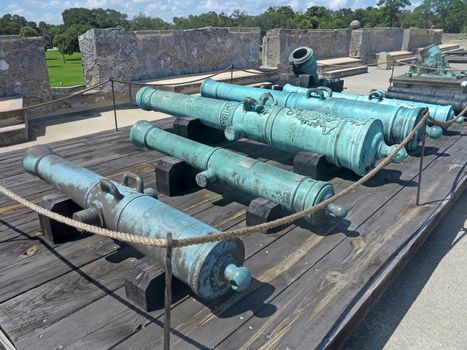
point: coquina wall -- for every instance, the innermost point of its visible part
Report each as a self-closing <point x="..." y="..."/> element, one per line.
<point x="144" y="55"/>
<point x="331" y="43"/>
<point x="455" y="38"/>
<point x="326" y="43"/>
<point x="415" y="38"/>
<point x="23" y="69"/>
<point x="366" y="43"/>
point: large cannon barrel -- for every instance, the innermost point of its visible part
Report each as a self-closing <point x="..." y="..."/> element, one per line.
<point x="293" y="192"/>
<point x="447" y="94"/>
<point x="438" y="112"/>
<point x="457" y="105"/>
<point x="210" y="269"/>
<point x="457" y="100"/>
<point x="397" y="121"/>
<point x="350" y="143"/>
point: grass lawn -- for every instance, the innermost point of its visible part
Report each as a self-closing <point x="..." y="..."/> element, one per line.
<point x="64" y="74"/>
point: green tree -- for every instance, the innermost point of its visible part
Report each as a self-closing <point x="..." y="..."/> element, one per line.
<point x="209" y="19"/>
<point x="67" y="42"/>
<point x="305" y="24"/>
<point x="242" y="19"/>
<point x="109" y="18"/>
<point x="451" y="15"/>
<point x="28" y="31"/>
<point x="320" y="17"/>
<point x="12" y="24"/>
<point x="343" y="17"/>
<point x="420" y="17"/>
<point x="78" y="15"/>
<point x="96" y="18"/>
<point x="392" y="10"/>
<point x="143" y="22"/>
<point x="277" y="17"/>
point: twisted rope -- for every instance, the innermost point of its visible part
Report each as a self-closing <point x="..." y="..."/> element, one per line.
<point x="169" y="84"/>
<point x="203" y="78"/>
<point x="77" y="93"/>
<point x="283" y="69"/>
<point x="62" y="98"/>
<point x="449" y="122"/>
<point x="121" y="236"/>
<point x="431" y="68"/>
<point x="212" y="236"/>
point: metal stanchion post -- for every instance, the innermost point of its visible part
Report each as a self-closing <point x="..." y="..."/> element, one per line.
<point x="130" y="92"/>
<point x="420" y="170"/>
<point x="168" y="291"/>
<point x="392" y="73"/>
<point x="113" y="99"/>
<point x="231" y="74"/>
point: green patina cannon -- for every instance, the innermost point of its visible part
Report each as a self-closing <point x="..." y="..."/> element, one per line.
<point x="454" y="99"/>
<point x="210" y="269"/>
<point x="432" y="62"/>
<point x="351" y="143"/>
<point x="293" y="192"/>
<point x="438" y="112"/>
<point x="397" y="121"/>
<point x="303" y="61"/>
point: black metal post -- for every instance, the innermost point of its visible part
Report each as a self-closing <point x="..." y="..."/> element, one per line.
<point x="168" y="291"/>
<point x="231" y="74"/>
<point x="115" y="107"/>
<point x="130" y="92"/>
<point x="26" y="123"/>
<point x="392" y="73"/>
<point x="420" y="170"/>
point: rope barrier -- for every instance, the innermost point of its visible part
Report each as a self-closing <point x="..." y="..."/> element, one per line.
<point x="168" y="84"/>
<point x="203" y="78"/>
<point x="430" y="68"/>
<point x="278" y="70"/>
<point x="62" y="98"/>
<point x="77" y="93"/>
<point x="212" y="237"/>
<point x="449" y="122"/>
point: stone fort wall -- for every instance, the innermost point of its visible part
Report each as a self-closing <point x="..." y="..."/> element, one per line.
<point x="455" y="38"/>
<point x="326" y="43"/>
<point x="415" y="38"/>
<point x="23" y="69"/>
<point x="145" y="55"/>
<point x="367" y="42"/>
<point x="363" y="43"/>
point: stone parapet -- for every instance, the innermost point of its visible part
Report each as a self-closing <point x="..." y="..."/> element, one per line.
<point x="326" y="43"/>
<point x="144" y="55"/>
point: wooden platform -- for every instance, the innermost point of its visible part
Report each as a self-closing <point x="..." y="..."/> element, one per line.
<point x="424" y="82"/>
<point x="310" y="289"/>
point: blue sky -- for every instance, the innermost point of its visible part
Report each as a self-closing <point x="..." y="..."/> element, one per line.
<point x="50" y="10"/>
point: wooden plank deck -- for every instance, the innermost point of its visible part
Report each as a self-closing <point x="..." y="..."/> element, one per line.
<point x="309" y="289"/>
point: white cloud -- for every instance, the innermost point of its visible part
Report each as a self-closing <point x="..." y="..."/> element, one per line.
<point x="96" y="3"/>
<point x="337" y="4"/>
